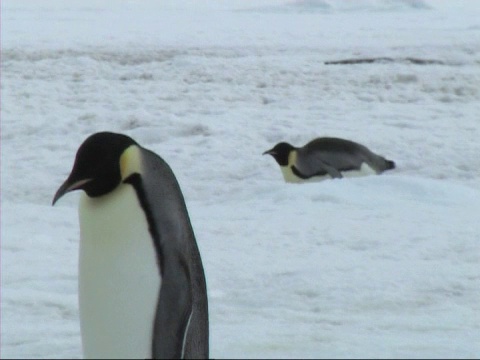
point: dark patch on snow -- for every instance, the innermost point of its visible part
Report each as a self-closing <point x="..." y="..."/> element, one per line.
<point x="383" y="60"/>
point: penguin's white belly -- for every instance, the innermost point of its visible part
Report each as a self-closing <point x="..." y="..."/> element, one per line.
<point x="119" y="280"/>
<point x="290" y="177"/>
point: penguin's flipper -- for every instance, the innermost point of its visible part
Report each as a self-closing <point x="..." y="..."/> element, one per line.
<point x="334" y="173"/>
<point x="310" y="164"/>
<point x="180" y="307"/>
<point x="174" y="310"/>
<point x="326" y="170"/>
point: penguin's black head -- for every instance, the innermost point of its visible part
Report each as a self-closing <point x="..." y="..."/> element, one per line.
<point x="280" y="153"/>
<point x="96" y="169"/>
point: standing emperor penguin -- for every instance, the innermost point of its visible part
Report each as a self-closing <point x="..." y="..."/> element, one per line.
<point x="142" y="289"/>
<point x="327" y="157"/>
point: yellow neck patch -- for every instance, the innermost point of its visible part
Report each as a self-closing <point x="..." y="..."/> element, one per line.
<point x="292" y="157"/>
<point x="287" y="172"/>
<point x="130" y="162"/>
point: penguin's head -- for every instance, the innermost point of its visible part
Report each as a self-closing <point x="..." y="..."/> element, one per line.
<point x="280" y="153"/>
<point x="96" y="169"/>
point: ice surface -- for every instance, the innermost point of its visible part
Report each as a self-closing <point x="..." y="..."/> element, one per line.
<point x="380" y="266"/>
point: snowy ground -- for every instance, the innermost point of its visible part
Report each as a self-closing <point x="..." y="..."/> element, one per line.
<point x="380" y="266"/>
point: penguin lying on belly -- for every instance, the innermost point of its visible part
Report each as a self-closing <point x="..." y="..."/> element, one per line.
<point x="327" y="157"/>
<point x="142" y="289"/>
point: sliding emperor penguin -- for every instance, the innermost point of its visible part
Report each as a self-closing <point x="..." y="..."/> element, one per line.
<point x="142" y="289"/>
<point x="327" y="157"/>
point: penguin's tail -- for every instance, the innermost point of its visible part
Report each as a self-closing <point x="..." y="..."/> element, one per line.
<point x="389" y="164"/>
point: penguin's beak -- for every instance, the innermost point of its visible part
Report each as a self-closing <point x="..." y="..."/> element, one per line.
<point x="269" y="152"/>
<point x="68" y="186"/>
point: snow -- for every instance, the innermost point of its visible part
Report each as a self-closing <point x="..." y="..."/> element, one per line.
<point x="378" y="266"/>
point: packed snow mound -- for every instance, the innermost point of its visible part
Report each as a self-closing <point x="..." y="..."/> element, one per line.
<point x="381" y="266"/>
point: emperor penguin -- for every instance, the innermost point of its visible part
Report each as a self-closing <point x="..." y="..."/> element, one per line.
<point x="142" y="288"/>
<point x="327" y="157"/>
